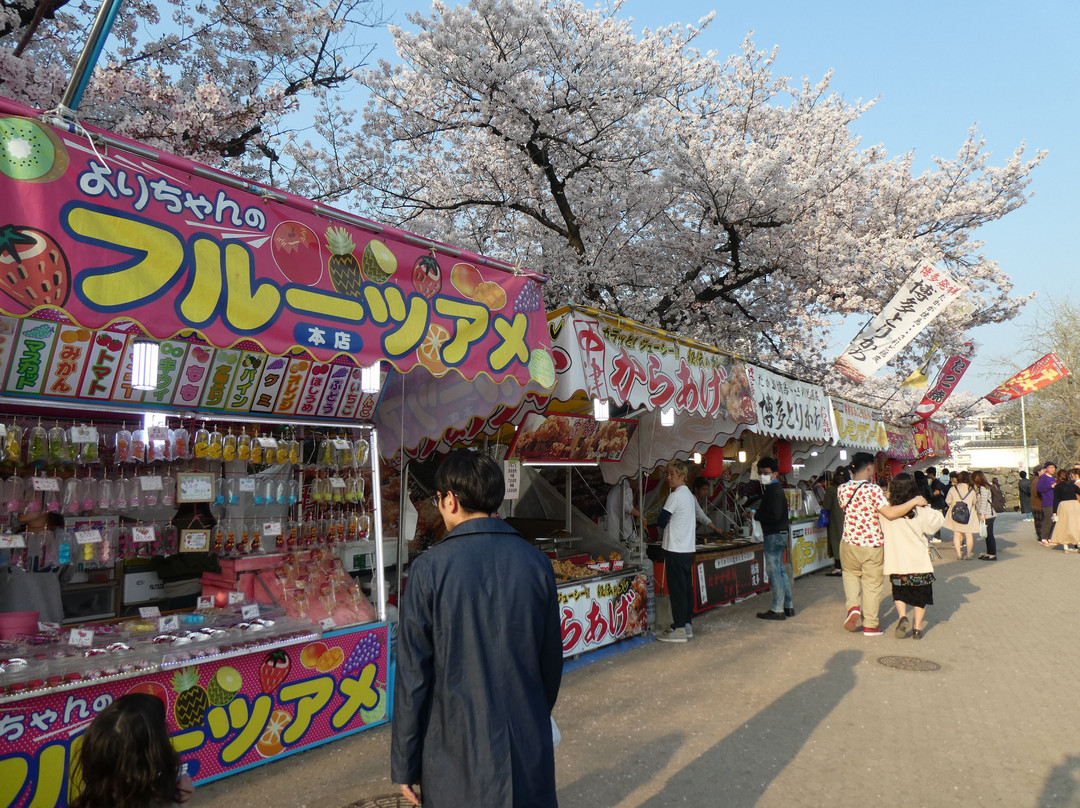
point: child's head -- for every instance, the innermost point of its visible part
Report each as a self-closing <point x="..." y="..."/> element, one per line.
<point x="126" y="759"/>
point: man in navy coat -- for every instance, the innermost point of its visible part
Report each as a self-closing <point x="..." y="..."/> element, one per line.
<point x="479" y="657"/>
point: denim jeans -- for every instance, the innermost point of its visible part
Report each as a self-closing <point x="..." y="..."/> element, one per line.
<point x="775" y="544"/>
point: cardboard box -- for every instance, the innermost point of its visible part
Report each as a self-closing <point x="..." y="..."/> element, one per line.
<point x="143" y="585"/>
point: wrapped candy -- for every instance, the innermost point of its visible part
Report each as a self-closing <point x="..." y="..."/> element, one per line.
<point x="59" y="451"/>
<point x="122" y="445"/>
<point x="37" y="446"/>
<point x="13" y="445"/>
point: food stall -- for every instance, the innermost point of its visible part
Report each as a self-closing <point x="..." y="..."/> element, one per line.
<point x="195" y="368"/>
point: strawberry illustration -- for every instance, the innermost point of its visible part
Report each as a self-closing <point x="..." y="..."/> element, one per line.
<point x="273" y="670"/>
<point x="33" y="269"/>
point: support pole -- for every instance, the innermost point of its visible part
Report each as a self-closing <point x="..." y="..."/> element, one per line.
<point x="91" y="52"/>
<point x="1023" y="430"/>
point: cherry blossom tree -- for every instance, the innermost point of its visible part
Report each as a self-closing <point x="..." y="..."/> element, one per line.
<point x="215" y="81"/>
<point x="712" y="198"/>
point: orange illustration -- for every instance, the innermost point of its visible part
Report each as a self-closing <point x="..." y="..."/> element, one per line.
<point x="309" y="657"/>
<point x="270" y="741"/>
<point x="428" y="354"/>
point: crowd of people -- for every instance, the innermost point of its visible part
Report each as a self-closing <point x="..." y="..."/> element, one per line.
<point x="1054" y="502"/>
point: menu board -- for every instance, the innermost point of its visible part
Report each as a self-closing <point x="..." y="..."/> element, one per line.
<point x="572" y="438"/>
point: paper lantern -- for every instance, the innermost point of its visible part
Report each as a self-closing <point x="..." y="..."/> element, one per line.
<point x="714" y="462"/>
<point x="783" y="456"/>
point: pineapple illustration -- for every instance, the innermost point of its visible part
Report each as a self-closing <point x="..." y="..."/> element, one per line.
<point x="191" y="700"/>
<point x="344" y="268"/>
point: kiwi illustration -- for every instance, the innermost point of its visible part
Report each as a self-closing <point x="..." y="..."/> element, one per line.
<point x="31" y="151"/>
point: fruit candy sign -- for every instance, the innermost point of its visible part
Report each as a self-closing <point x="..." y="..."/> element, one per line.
<point x="223" y="716"/>
<point x="110" y="236"/>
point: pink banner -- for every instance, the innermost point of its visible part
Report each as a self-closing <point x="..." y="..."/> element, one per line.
<point x="124" y="233"/>
<point x="951" y="372"/>
<point x="224" y="716"/>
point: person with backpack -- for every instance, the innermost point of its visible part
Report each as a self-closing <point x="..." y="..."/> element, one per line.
<point x="962" y="518"/>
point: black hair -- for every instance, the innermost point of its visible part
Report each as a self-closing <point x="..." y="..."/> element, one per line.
<point x="699" y="482"/>
<point x="902" y="489"/>
<point x="841" y="475"/>
<point x="860" y="461"/>
<point x="1023" y="475"/>
<point x="476" y="480"/>
<point x="931" y="470"/>
<point x="770" y="463"/>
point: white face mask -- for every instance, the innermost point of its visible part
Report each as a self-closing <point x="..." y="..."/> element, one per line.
<point x="766" y="479"/>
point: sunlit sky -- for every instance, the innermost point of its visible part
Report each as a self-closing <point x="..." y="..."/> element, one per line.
<point x="936" y="68"/>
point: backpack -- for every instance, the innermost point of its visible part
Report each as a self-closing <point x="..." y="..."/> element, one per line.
<point x="961" y="513"/>
<point x="997" y="499"/>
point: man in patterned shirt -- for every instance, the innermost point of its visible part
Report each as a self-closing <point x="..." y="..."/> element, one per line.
<point x="861" y="548"/>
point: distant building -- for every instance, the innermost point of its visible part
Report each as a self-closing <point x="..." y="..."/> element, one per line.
<point x="980" y="443"/>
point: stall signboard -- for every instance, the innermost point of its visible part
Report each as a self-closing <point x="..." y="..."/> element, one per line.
<point x="922" y="296"/>
<point x="901" y="443"/>
<point x="809" y="548"/>
<point x="614" y="360"/>
<point x="223" y="716"/>
<point x="598" y="613"/>
<point x="931" y="439"/>
<point x="724" y="577"/>
<point x="128" y="235"/>
<point x="787" y="408"/>
<point x="859" y="427"/>
<point x="571" y="438"/>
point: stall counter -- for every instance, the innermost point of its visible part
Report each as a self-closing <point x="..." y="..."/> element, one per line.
<point x="225" y="714"/>
<point x="808" y="546"/>
<point x="722" y="575"/>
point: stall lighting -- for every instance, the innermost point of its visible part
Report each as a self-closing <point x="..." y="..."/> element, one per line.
<point x="600" y="409"/>
<point x="697" y="458"/>
<point x="144" y="364"/>
<point x="151" y="419"/>
<point x="843" y="454"/>
<point x="813" y="454"/>
<point x="667" y="417"/>
<point x="742" y="455"/>
<point x="371" y="379"/>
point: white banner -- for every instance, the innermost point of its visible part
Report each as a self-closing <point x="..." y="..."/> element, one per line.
<point x="789" y="409"/>
<point x="922" y="297"/>
<point x="595" y="614"/>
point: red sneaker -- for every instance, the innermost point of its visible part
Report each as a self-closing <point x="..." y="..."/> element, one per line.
<point x="854" y="617"/>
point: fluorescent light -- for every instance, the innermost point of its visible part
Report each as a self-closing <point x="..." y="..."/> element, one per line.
<point x="151" y="419"/>
<point x="742" y="455"/>
<point x="560" y="462"/>
<point x="697" y="458"/>
<point x="667" y="417"/>
<point x="813" y="454"/>
<point x="144" y="364"/>
<point x="371" y="379"/>
<point x="600" y="409"/>
<point x="843" y="454"/>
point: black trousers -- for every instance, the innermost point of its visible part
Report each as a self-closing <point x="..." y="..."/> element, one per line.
<point x="679" y="569"/>
<point x="991" y="542"/>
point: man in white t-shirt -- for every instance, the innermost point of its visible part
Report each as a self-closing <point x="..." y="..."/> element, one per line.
<point x="679" y="523"/>
<point x="862" y="553"/>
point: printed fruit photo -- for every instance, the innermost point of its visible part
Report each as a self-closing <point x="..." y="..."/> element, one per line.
<point x="427" y="276"/>
<point x="330" y="660"/>
<point x="490" y="294"/>
<point x="309" y="657"/>
<point x="273" y="670"/>
<point x="31" y="151"/>
<point x="33" y="269"/>
<point x="297" y="253"/>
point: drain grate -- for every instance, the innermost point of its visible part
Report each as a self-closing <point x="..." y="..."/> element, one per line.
<point x="908" y="663"/>
<point x="388" y="801"/>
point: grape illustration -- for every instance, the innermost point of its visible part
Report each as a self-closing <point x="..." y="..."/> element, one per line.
<point x="364" y="653"/>
<point x="528" y="299"/>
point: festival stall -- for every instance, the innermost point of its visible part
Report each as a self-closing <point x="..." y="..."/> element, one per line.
<point x="198" y="369"/>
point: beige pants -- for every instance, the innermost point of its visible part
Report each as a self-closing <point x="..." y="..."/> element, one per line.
<point x="864" y="579"/>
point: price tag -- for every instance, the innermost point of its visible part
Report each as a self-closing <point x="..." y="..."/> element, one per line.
<point x="150" y="483"/>
<point x="11" y="541"/>
<point x="84" y="434"/>
<point x="169" y="623"/>
<point x="158" y="433"/>
<point x="327" y="623"/>
<point x="337" y="482"/>
<point x="47" y="627"/>
<point x="340" y="443"/>
<point x="195" y="540"/>
<point x="205" y="602"/>
<point x="271" y="529"/>
<point x="88" y="536"/>
<point x="236" y="597"/>
<point x="267" y="443"/>
<point x="143" y="533"/>
<point x="81" y="637"/>
<point x="250" y="611"/>
<point x="149" y="612"/>
<point x="247" y="485"/>
<point x="45" y="484"/>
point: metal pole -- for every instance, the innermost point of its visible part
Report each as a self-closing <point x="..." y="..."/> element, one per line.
<point x="84" y="68"/>
<point x="1023" y="429"/>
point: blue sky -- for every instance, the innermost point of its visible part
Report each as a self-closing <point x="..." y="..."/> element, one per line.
<point x="938" y="67"/>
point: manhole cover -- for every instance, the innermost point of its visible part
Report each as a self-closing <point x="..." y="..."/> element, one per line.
<point x="387" y="801"/>
<point x="908" y="663"/>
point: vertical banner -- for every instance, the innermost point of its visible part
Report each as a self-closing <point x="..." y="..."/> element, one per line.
<point x="1046" y="371"/>
<point x="951" y="372"/>
<point x="923" y="296"/>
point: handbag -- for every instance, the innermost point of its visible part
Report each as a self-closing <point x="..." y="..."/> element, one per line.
<point x="823" y="518"/>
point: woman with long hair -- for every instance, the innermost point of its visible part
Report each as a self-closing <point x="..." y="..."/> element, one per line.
<point x="1067" y="511"/>
<point x="831" y="504"/>
<point x="907" y="556"/>
<point x="984" y="507"/>
<point x="127" y="760"/>
<point x="963" y="532"/>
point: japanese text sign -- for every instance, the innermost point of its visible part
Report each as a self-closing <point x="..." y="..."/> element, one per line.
<point x="931" y="439"/>
<point x="788" y="408"/>
<point x="1046" y="371"/>
<point x="859" y="427"/>
<point x="951" y="372"/>
<point x="596" y="614"/>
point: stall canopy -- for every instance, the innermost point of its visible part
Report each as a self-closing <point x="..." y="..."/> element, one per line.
<point x="601" y="356"/>
<point x="263" y="303"/>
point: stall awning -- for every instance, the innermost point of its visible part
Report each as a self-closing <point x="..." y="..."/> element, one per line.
<point x="790" y="409"/>
<point x="245" y="286"/>
<point x="859" y="426"/>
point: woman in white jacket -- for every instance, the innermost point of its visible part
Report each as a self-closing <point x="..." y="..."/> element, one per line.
<point x="907" y="556"/>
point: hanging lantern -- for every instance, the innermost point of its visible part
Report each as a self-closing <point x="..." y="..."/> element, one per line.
<point x="714" y="462"/>
<point x="783" y="456"/>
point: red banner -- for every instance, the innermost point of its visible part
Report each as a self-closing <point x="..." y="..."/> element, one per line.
<point x="948" y="379"/>
<point x="1046" y="371"/>
<point x="931" y="439"/>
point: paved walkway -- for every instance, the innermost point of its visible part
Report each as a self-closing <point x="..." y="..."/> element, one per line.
<point x="755" y="713"/>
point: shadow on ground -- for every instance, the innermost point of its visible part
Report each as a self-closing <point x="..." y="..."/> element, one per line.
<point x="749" y="759"/>
<point x="1061" y="788"/>
<point x="611" y="785"/>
